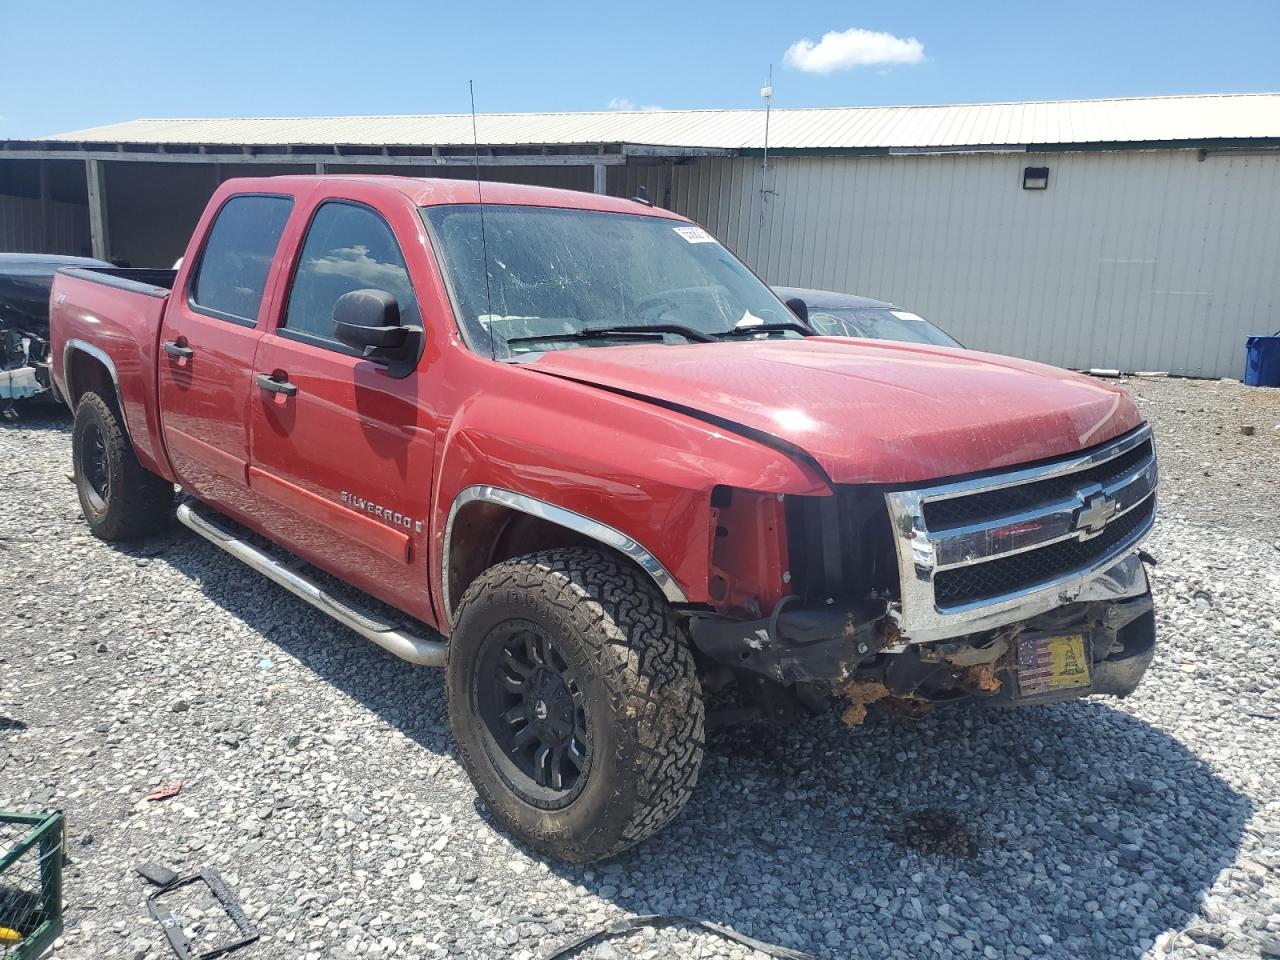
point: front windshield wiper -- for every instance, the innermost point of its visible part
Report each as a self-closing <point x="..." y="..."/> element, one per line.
<point x="780" y="327"/>
<point x="640" y="331"/>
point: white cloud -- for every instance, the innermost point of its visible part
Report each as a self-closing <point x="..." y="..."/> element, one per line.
<point x="840" y="50"/>
<point x="622" y="103"/>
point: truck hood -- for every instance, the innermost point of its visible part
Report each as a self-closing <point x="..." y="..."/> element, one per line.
<point x="867" y="411"/>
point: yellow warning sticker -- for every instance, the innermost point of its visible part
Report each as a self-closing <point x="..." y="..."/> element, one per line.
<point x="1049" y="664"/>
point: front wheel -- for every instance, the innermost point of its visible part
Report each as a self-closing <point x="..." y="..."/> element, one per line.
<point x="121" y="499"/>
<point x="575" y="702"/>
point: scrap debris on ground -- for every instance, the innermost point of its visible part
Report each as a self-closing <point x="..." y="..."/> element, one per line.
<point x="318" y="777"/>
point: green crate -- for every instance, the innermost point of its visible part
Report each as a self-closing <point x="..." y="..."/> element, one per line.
<point x="31" y="847"/>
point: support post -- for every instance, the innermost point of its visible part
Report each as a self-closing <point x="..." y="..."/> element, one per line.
<point x="94" y="177"/>
<point x="46" y="245"/>
<point x="598" y="181"/>
<point x="319" y="167"/>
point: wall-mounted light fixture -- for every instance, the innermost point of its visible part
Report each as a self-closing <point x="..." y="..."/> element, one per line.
<point x="1035" y="178"/>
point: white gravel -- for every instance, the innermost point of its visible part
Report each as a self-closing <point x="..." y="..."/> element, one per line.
<point x="320" y="781"/>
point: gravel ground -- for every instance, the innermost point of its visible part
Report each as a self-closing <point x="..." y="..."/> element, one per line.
<point x="320" y="781"/>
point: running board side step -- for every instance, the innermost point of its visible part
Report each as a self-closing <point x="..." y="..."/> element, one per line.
<point x="391" y="637"/>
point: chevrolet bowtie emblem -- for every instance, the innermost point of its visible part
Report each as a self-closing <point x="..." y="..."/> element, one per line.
<point x="1098" y="509"/>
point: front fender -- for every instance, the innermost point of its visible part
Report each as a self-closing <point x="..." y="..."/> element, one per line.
<point x="640" y="471"/>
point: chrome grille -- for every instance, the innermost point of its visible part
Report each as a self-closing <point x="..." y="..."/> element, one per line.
<point x="958" y="511"/>
<point x="1018" y="571"/>
<point x="971" y="551"/>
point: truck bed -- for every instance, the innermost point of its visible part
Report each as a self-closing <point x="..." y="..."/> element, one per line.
<point x="106" y="320"/>
<point x="145" y="280"/>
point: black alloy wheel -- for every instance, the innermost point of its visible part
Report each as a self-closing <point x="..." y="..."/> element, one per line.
<point x="574" y="697"/>
<point x="97" y="470"/>
<point x="532" y="708"/>
<point x="121" y="499"/>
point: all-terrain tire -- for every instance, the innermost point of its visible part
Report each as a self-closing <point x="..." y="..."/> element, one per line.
<point x="641" y="696"/>
<point x="121" y="499"/>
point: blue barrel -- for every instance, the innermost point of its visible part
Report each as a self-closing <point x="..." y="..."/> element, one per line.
<point x="1262" y="361"/>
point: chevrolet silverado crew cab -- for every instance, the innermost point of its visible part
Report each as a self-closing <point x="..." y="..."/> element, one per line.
<point x="571" y="449"/>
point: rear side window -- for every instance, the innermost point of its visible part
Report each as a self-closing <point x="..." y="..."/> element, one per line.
<point x="237" y="257"/>
<point x="348" y="247"/>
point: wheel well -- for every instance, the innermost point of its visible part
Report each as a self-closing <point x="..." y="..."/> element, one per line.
<point x="486" y="533"/>
<point x="87" y="373"/>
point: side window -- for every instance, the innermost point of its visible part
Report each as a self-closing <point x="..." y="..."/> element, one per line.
<point x="237" y="257"/>
<point x="348" y="247"/>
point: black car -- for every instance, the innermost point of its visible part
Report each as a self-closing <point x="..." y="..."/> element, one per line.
<point x="844" y="315"/>
<point x="25" y="280"/>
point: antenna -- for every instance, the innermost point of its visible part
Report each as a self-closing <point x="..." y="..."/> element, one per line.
<point x="484" y="245"/>
<point x="767" y="92"/>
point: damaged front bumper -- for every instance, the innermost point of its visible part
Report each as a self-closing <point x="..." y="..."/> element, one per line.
<point x="1099" y="642"/>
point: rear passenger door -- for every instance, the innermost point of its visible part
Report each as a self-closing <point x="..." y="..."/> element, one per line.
<point x="344" y="450"/>
<point x="209" y="337"/>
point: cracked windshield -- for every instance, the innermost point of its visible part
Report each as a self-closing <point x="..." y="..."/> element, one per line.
<point x="561" y="278"/>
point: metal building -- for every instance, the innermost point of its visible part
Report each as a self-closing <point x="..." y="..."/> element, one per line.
<point x="1139" y="234"/>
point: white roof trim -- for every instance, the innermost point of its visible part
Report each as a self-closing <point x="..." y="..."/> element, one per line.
<point x="1149" y="119"/>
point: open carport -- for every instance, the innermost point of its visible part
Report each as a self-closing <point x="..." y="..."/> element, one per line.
<point x="1138" y="234"/>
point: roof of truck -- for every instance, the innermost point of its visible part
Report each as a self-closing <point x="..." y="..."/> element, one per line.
<point x="434" y="191"/>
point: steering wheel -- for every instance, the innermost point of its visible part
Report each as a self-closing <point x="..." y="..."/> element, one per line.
<point x="673" y="298"/>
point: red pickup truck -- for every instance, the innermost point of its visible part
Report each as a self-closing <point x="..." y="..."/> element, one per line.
<point x="573" y="450"/>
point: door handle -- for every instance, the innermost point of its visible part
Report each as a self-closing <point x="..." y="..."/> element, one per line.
<point x="267" y="382"/>
<point x="179" y="350"/>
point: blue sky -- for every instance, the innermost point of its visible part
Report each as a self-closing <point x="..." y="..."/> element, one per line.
<point x="73" y="64"/>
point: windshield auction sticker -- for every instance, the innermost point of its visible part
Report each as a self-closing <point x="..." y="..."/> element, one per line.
<point x="695" y="234"/>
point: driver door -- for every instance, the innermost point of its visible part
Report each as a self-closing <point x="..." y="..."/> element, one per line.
<point x="344" y="450"/>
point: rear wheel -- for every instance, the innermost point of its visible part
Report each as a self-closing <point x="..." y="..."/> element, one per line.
<point x="575" y="702"/>
<point x="121" y="499"/>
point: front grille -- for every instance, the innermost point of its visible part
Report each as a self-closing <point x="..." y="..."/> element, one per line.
<point x="1022" y="571"/>
<point x="977" y="507"/>
<point x="980" y="550"/>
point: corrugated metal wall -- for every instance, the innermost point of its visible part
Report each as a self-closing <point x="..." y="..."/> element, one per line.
<point x="25" y="228"/>
<point x="1152" y="260"/>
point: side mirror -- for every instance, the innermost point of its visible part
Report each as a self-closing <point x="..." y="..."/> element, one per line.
<point x="369" y="321"/>
<point x="799" y="308"/>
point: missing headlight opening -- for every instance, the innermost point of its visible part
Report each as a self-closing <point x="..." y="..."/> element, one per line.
<point x="810" y="605"/>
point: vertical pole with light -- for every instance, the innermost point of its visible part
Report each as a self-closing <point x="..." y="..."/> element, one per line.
<point x="767" y="93"/>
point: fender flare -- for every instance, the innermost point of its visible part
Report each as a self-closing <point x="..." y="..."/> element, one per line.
<point x="69" y="348"/>
<point x="593" y="529"/>
<point x="68" y="351"/>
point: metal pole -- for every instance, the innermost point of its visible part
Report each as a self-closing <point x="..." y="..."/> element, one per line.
<point x="96" y="181"/>
<point x="767" y="93"/>
<point x="45" y="246"/>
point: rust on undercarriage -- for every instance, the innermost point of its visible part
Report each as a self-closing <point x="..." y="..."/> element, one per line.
<point x="946" y="671"/>
<point x="984" y="677"/>
<point x="859" y="693"/>
<point x="979" y="666"/>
